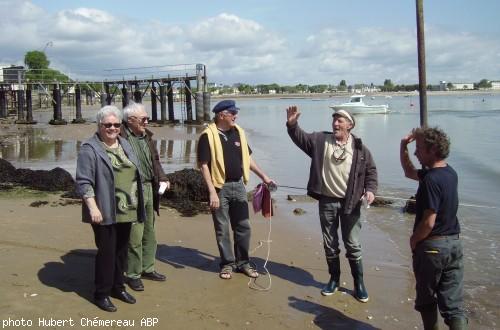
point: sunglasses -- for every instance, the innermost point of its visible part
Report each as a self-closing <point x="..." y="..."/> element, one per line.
<point x="109" y="125"/>
<point x="141" y="119"/>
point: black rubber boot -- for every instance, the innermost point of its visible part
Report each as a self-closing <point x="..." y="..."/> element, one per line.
<point x="430" y="319"/>
<point x="333" y="283"/>
<point x="360" y="292"/>
<point x="458" y="323"/>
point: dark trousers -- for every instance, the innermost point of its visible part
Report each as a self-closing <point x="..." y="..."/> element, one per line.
<point x="331" y="216"/>
<point x="439" y="270"/>
<point x="232" y="214"/>
<point x="111" y="257"/>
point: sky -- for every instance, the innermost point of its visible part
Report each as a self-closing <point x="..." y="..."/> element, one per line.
<point x="259" y="41"/>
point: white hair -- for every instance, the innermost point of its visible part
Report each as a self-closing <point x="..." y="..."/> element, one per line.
<point x="108" y="110"/>
<point x="131" y="108"/>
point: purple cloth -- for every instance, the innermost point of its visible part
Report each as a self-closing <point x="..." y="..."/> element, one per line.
<point x="258" y="193"/>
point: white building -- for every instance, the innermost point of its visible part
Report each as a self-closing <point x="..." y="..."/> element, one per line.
<point x="462" y="86"/>
<point x="495" y="84"/>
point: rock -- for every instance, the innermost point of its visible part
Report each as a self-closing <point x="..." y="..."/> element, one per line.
<point x="188" y="193"/>
<point x="187" y="184"/>
<point x="56" y="179"/>
<point x="299" y="211"/>
<point x="300" y="198"/>
<point x="379" y="201"/>
<point x="410" y="206"/>
<point x="7" y="171"/>
<point x="38" y="203"/>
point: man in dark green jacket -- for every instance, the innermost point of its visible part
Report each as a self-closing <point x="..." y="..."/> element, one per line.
<point x="142" y="244"/>
<point x="342" y="174"/>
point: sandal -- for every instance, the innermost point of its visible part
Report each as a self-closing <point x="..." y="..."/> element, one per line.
<point x="226" y="273"/>
<point x="249" y="271"/>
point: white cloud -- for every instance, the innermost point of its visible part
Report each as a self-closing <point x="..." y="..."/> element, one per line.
<point x="227" y="31"/>
<point x="236" y="49"/>
<point x="372" y="55"/>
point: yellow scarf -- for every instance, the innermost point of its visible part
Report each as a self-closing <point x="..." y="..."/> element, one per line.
<point x="217" y="169"/>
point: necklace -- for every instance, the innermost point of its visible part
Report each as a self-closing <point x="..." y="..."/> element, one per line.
<point x="339" y="153"/>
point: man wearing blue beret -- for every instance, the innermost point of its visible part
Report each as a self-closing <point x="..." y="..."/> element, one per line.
<point x="224" y="158"/>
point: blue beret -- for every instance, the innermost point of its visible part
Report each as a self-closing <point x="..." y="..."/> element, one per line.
<point x="228" y="105"/>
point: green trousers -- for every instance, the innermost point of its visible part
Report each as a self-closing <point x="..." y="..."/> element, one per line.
<point x="142" y="242"/>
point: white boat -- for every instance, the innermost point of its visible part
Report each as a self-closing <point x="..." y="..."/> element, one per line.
<point x="357" y="106"/>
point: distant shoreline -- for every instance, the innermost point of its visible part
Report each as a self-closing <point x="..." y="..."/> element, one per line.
<point x="347" y="94"/>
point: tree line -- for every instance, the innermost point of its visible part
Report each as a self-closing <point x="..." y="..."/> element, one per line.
<point x="39" y="70"/>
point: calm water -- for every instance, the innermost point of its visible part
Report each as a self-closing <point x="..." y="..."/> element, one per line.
<point x="471" y="122"/>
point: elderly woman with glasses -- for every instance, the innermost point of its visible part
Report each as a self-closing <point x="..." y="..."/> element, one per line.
<point x="108" y="180"/>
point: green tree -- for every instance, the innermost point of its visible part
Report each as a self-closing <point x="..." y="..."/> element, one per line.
<point x="484" y="83"/>
<point x="318" y="88"/>
<point x="245" y="88"/>
<point x="36" y="60"/>
<point x="38" y="68"/>
<point x="342" y="85"/>
<point x="449" y="85"/>
<point x="388" y="85"/>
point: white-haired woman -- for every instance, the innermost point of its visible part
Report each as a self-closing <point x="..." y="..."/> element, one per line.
<point x="108" y="181"/>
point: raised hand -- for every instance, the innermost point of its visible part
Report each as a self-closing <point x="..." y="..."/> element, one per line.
<point x="292" y="115"/>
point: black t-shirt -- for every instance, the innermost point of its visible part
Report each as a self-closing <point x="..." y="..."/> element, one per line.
<point x="231" y="147"/>
<point x="438" y="190"/>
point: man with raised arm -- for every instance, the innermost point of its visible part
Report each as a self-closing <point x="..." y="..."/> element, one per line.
<point x="342" y="173"/>
<point x="435" y="243"/>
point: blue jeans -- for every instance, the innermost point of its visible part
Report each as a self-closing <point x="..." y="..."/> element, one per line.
<point x="331" y="214"/>
<point x="439" y="271"/>
<point x="232" y="214"/>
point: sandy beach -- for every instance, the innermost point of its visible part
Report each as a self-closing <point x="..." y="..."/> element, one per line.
<point x="47" y="255"/>
<point x="46" y="267"/>
<point x="47" y="273"/>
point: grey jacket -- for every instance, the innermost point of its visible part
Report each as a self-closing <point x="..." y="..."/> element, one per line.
<point x="363" y="174"/>
<point x="93" y="168"/>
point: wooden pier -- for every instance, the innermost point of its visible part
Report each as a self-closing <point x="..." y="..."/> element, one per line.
<point x="162" y="88"/>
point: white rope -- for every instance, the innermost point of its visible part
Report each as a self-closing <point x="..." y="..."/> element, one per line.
<point x="254" y="285"/>
<point x="460" y="204"/>
<point x="408" y="199"/>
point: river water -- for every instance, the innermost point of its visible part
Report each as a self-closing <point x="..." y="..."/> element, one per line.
<point x="471" y="121"/>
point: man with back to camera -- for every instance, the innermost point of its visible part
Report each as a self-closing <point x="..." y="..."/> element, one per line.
<point x="224" y="158"/>
<point x="342" y="172"/>
<point x="142" y="243"/>
<point x="435" y="243"/>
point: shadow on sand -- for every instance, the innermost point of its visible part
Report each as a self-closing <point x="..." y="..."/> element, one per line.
<point x="326" y="317"/>
<point x="74" y="274"/>
<point x="180" y="257"/>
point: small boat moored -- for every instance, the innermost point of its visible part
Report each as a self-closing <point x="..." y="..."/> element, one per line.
<point x="357" y="106"/>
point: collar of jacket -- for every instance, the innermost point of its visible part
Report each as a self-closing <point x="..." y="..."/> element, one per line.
<point x="123" y="133"/>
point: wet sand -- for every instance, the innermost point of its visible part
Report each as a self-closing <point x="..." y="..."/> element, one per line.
<point x="46" y="267"/>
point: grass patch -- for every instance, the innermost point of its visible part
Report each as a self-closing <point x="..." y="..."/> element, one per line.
<point x="15" y="192"/>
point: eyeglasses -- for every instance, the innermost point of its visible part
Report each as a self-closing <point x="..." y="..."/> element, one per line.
<point x="229" y="113"/>
<point x="141" y="119"/>
<point x="109" y="125"/>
